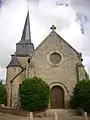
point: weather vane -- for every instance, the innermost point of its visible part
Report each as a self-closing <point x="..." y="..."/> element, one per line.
<point x="81" y="18"/>
<point x="28" y="6"/>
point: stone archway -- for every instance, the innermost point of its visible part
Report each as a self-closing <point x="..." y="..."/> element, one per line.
<point x="57" y="97"/>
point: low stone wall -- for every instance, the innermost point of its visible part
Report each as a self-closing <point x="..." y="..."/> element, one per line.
<point x="13" y="111"/>
<point x="20" y="112"/>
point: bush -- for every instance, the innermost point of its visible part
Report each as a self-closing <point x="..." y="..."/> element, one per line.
<point x="81" y="95"/>
<point x="2" y="94"/>
<point x="34" y="94"/>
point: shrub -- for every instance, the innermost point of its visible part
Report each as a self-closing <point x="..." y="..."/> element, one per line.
<point x="81" y="95"/>
<point x="34" y="94"/>
<point x="2" y="94"/>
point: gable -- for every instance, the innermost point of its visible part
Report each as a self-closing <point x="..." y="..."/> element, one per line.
<point x="55" y="60"/>
<point x="53" y="38"/>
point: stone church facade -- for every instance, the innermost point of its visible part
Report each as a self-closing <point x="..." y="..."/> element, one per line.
<point x="54" y="60"/>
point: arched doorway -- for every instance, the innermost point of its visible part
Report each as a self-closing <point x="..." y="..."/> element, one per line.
<point x="57" y="97"/>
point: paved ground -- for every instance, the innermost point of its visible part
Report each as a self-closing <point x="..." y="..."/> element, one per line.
<point x="14" y="117"/>
<point x="4" y="116"/>
<point x="11" y="117"/>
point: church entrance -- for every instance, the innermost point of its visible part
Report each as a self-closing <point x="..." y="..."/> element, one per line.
<point x="57" y="97"/>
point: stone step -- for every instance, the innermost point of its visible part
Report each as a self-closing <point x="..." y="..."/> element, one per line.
<point x="62" y="112"/>
<point x="61" y="118"/>
<point x="71" y="118"/>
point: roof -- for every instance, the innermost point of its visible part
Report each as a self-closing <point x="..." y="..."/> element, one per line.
<point x="26" y="34"/>
<point x="14" y="63"/>
<point x="68" y="44"/>
<point x="53" y="32"/>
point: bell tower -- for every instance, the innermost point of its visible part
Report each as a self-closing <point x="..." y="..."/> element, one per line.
<point x="24" y="47"/>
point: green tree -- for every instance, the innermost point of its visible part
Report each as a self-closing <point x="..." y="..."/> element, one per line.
<point x="81" y="95"/>
<point x="34" y="94"/>
<point x="2" y="94"/>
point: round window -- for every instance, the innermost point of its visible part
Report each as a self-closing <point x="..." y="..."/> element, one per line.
<point x="55" y="58"/>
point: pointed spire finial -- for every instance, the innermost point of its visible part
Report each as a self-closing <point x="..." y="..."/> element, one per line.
<point x="28" y="7"/>
<point x="53" y="28"/>
<point x="26" y="35"/>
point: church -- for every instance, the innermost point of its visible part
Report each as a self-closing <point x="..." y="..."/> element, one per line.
<point x="54" y="60"/>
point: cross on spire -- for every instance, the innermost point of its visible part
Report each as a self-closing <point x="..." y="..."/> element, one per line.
<point x="52" y="27"/>
<point x="28" y="7"/>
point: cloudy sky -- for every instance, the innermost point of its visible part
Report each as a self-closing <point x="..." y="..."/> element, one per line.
<point x="43" y="13"/>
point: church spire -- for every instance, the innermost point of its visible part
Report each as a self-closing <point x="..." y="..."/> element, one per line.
<point x="25" y="47"/>
<point x="26" y="35"/>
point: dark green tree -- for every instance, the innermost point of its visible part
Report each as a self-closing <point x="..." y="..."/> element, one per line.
<point x="2" y="94"/>
<point x="81" y="95"/>
<point x="34" y="94"/>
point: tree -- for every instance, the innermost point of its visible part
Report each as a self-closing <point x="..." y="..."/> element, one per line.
<point x="81" y="95"/>
<point x="2" y="94"/>
<point x="34" y="94"/>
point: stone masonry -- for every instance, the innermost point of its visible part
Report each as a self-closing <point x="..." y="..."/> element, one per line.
<point x="54" y="60"/>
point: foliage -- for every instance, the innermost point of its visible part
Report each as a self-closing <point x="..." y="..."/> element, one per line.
<point x="2" y="94"/>
<point x="34" y="94"/>
<point x="81" y="95"/>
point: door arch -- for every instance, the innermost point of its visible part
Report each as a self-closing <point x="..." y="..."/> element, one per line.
<point x="57" y="97"/>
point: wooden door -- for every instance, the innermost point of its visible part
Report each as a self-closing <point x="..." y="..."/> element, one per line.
<point x="57" y="97"/>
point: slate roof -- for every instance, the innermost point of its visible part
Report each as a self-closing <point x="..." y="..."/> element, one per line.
<point x="14" y="63"/>
<point x="26" y="34"/>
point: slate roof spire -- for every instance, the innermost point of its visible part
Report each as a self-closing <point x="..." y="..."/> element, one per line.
<point x="25" y="46"/>
<point x="26" y="35"/>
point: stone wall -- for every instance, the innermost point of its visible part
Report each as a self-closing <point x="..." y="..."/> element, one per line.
<point x="15" y="89"/>
<point x="65" y="72"/>
<point x="13" y="111"/>
<point x="82" y="75"/>
<point x="11" y="73"/>
<point x="23" y="61"/>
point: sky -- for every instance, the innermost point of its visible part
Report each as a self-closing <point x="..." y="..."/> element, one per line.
<point x="43" y="13"/>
